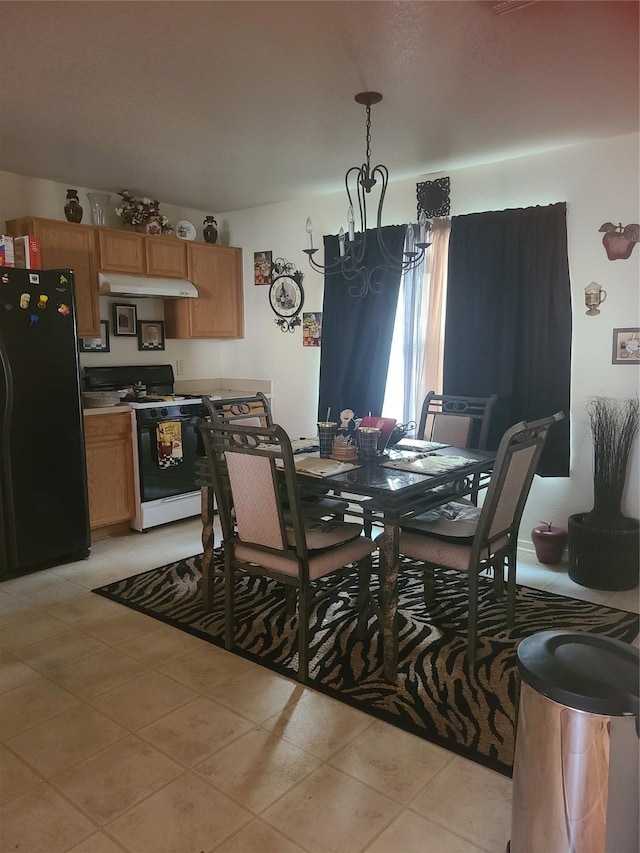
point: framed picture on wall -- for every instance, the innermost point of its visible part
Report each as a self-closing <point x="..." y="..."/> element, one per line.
<point x="124" y="320"/>
<point x="262" y="268"/>
<point x="100" y="344"/>
<point x="626" y="346"/>
<point x="150" y="335"/>
<point x="312" y="328"/>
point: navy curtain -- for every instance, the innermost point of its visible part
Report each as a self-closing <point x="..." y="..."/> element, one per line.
<point x="508" y="321"/>
<point x="357" y="332"/>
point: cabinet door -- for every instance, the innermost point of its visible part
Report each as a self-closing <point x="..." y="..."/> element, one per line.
<point x="121" y="251"/>
<point x="218" y="312"/>
<point x="165" y="256"/>
<point x="66" y="245"/>
<point x="110" y="474"/>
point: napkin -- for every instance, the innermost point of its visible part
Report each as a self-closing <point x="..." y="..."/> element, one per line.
<point x="430" y="464"/>
<point x="316" y="467"/>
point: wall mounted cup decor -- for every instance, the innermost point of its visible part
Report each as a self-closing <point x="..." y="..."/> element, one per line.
<point x="594" y="296"/>
<point x="124" y="320"/>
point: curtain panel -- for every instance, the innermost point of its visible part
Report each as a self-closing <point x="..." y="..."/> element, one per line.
<point x="357" y="332"/>
<point x="508" y="320"/>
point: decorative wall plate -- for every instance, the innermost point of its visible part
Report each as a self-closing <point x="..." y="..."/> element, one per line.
<point x="185" y="230"/>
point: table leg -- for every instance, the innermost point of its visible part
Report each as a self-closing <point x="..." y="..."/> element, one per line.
<point x="389" y="552"/>
<point x="206" y="512"/>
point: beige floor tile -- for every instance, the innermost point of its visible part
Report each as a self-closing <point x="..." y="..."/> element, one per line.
<point x="54" y="593"/>
<point x="410" y="833"/>
<point x="41" y="821"/>
<point x="318" y="724"/>
<point x="15" y="777"/>
<point x="57" y="652"/>
<point x="97" y="674"/>
<point x="143" y="699"/>
<point x="29" y="582"/>
<point x="393" y="762"/>
<point x="471" y="800"/>
<point x="107" y="784"/>
<point x="14" y="672"/>
<point x="27" y="628"/>
<point x="259" y="837"/>
<point x="186" y="816"/>
<point x="121" y="626"/>
<point x="205" y="668"/>
<point x="30" y="704"/>
<point x="257" y="768"/>
<point x="161" y="645"/>
<point x="85" y="610"/>
<point x="97" y="843"/>
<point x="195" y="731"/>
<point x="258" y="694"/>
<point x="12" y="605"/>
<point x="626" y="599"/>
<point x="329" y="811"/>
<point x="63" y="741"/>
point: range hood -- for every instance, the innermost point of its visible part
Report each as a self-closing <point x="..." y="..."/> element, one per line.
<point x="136" y="286"/>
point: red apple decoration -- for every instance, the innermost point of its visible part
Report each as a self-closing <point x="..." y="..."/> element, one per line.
<point x="619" y="242"/>
<point x="549" y="542"/>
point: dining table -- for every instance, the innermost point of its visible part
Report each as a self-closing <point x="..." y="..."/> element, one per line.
<point x="399" y="484"/>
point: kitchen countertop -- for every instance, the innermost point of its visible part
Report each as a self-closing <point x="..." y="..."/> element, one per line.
<point x="107" y="410"/>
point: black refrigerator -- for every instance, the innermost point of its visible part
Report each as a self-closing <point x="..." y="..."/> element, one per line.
<point x="44" y="508"/>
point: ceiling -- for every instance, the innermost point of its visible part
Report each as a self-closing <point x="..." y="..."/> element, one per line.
<point x="220" y="106"/>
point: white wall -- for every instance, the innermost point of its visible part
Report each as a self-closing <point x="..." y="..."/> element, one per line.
<point x="599" y="181"/>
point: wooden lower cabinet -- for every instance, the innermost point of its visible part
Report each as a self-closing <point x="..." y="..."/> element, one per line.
<point x="110" y="468"/>
<point x="218" y="312"/>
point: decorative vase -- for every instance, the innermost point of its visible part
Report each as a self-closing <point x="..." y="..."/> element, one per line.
<point x="549" y="542"/>
<point x="210" y="230"/>
<point x="99" y="203"/>
<point x="603" y="559"/>
<point x="73" y="208"/>
<point x="153" y="227"/>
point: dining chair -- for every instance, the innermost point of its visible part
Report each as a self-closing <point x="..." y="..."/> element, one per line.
<point x="488" y="536"/>
<point x="459" y="421"/>
<point x="263" y="527"/>
<point x="253" y="410"/>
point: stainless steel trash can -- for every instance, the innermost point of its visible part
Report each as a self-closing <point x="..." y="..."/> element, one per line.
<point x="576" y="767"/>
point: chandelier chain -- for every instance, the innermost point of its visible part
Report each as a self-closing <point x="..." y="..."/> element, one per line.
<point x="368" y="139"/>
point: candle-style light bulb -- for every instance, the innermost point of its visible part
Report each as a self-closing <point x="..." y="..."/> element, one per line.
<point x="309" y="234"/>
<point x="422" y="222"/>
<point x="351" y="220"/>
<point x="410" y="238"/>
<point x="341" y="241"/>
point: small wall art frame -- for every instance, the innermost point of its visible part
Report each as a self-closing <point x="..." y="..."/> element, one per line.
<point x="124" y="320"/>
<point x="262" y="267"/>
<point x="626" y="346"/>
<point x="100" y="344"/>
<point x="150" y="335"/>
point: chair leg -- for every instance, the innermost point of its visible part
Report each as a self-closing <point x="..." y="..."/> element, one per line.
<point x="364" y="580"/>
<point x="290" y="597"/>
<point x="303" y="635"/>
<point x="511" y="589"/>
<point x="229" y="603"/>
<point x="498" y="577"/>
<point x="429" y="583"/>
<point x="472" y="620"/>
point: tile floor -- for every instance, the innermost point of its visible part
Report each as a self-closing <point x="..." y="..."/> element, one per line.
<point x="122" y="734"/>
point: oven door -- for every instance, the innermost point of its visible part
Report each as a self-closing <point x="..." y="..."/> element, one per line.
<point x="157" y="482"/>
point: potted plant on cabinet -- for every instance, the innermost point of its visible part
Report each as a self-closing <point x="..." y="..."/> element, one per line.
<point x="604" y="543"/>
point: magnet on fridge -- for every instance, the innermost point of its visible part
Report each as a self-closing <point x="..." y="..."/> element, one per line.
<point x="34" y="278"/>
<point x="25" y="299"/>
<point x="64" y="309"/>
<point x="42" y="302"/>
<point x="5" y="278"/>
<point x="33" y="320"/>
<point x="64" y="279"/>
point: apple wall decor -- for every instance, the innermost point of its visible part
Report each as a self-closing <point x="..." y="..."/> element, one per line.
<point x="618" y="241"/>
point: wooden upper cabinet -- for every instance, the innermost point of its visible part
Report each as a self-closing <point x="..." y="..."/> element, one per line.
<point x="121" y="251"/>
<point x="137" y="254"/>
<point x="218" y="312"/>
<point x="66" y="245"/>
<point x="166" y="256"/>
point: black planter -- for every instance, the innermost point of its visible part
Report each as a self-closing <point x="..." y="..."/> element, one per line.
<point x="603" y="559"/>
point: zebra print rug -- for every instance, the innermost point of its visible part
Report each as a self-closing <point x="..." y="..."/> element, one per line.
<point x="438" y="695"/>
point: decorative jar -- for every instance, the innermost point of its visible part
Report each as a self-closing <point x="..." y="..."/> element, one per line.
<point x="73" y="208"/>
<point x="210" y="230"/>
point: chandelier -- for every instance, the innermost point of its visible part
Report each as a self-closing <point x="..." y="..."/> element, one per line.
<point x="352" y="245"/>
